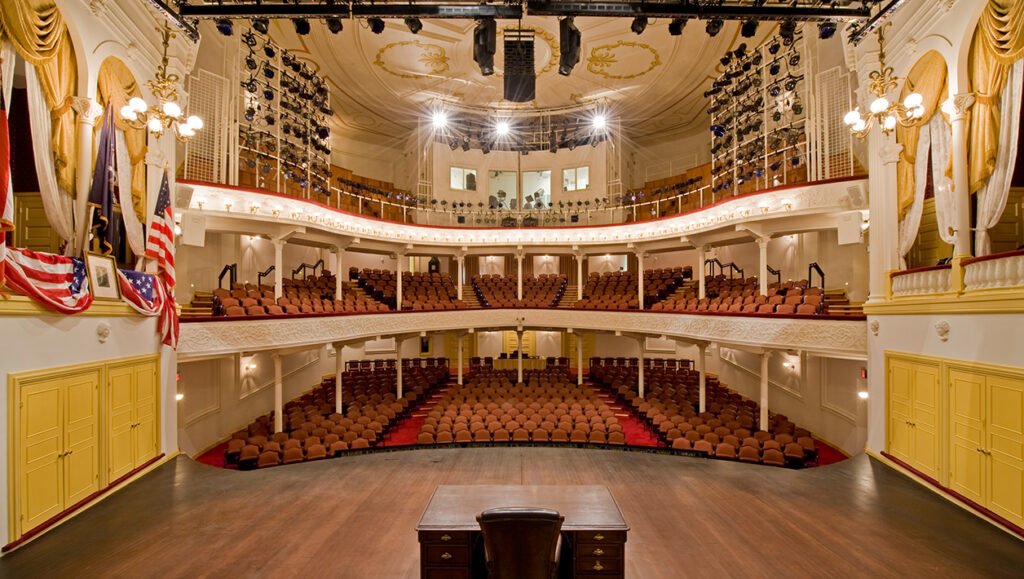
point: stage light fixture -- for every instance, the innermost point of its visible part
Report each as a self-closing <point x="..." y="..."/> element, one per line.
<point x="639" y="24"/>
<point x="484" y="41"/>
<point x="502" y="128"/>
<point x="261" y="25"/>
<point x="749" y="28"/>
<point x="552" y="142"/>
<point x="600" y="122"/>
<point x="301" y="26"/>
<point x="439" y="119"/>
<point x="714" y="26"/>
<point x="414" y="24"/>
<point x="787" y="29"/>
<point x="225" y="26"/>
<point x="675" y="28"/>
<point x="569" y="45"/>
<point x="826" y="30"/>
<point x="334" y="25"/>
<point x="376" y="24"/>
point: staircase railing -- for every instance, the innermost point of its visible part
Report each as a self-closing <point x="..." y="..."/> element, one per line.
<point x="814" y="267"/>
<point x="231" y="268"/>
<point x="713" y="261"/>
<point x="260" y="276"/>
<point x="305" y="266"/>
<point x="777" y="273"/>
<point x="733" y="268"/>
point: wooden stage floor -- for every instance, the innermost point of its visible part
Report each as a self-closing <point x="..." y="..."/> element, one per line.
<point x="355" y="517"/>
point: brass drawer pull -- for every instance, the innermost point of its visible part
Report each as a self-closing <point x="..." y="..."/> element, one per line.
<point x="599" y="552"/>
<point x="446" y="555"/>
<point x="599" y="537"/>
<point x="598" y="566"/>
<point x="446" y="537"/>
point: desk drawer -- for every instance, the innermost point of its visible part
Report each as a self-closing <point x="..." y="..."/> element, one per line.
<point x="445" y="537"/>
<point x="599" y="550"/>
<point x="445" y="554"/>
<point x="603" y="537"/>
<point x="585" y="564"/>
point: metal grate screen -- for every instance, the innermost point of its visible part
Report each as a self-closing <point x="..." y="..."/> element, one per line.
<point x="834" y="146"/>
<point x="206" y="153"/>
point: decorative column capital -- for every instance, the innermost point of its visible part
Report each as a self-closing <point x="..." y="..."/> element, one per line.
<point x="890" y="153"/>
<point x="762" y="241"/>
<point x="155" y="157"/>
<point x="88" y="110"/>
<point x="962" y="104"/>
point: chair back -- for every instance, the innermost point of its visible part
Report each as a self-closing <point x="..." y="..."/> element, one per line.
<point x="521" y="542"/>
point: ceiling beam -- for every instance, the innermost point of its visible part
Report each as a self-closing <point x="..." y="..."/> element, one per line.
<point x="382" y="10"/>
<point x="734" y="11"/>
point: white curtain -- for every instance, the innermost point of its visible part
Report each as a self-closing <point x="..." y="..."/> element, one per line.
<point x="945" y="205"/>
<point x="132" y="225"/>
<point x="992" y="197"/>
<point x="57" y="202"/>
<point x="7" y="77"/>
<point x="912" y="219"/>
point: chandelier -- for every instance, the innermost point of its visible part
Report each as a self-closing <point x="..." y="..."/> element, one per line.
<point x="887" y="114"/>
<point x="167" y="113"/>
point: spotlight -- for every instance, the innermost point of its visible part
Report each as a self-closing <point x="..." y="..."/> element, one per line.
<point x="675" y="28"/>
<point x="552" y="142"/>
<point x="261" y="25"/>
<point x="502" y="128"/>
<point x="454" y="144"/>
<point x="569" y="45"/>
<point x="334" y="25"/>
<point x="749" y="28"/>
<point x="787" y="29"/>
<point x="225" y="26"/>
<point x="826" y="30"/>
<point x="465" y="143"/>
<point x="439" y="119"/>
<point x="301" y="26"/>
<point x="713" y="27"/>
<point x="414" y="24"/>
<point x="484" y="44"/>
<point x="600" y="122"/>
<point x="485" y="147"/>
<point x="639" y="24"/>
<point x="376" y="24"/>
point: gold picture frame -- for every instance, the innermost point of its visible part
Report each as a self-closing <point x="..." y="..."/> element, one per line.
<point x="102" y="273"/>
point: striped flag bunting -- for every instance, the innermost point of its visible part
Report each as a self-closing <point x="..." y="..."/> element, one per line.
<point x="54" y="281"/>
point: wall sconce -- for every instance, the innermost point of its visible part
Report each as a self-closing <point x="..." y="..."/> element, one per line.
<point x="249" y="368"/>
<point x="179" y="396"/>
<point x="254" y="208"/>
<point x="863" y="395"/>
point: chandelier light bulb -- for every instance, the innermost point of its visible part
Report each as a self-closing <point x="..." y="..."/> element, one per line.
<point x="185" y="131"/>
<point x="129" y="113"/>
<point x="852" y="117"/>
<point x="172" y="109"/>
<point x="918" y="111"/>
<point x="913" y="100"/>
<point x="195" y="123"/>
<point x="155" y="126"/>
<point x="138" y="105"/>
<point x="879" y="105"/>
<point x="889" y="123"/>
<point x="859" y="125"/>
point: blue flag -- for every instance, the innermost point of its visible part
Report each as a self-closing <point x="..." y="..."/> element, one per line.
<point x="104" y="183"/>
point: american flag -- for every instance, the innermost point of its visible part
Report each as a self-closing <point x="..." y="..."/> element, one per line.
<point x="104" y="182"/>
<point x="55" y="281"/>
<point x="6" y="202"/>
<point x="160" y="245"/>
<point x="145" y="293"/>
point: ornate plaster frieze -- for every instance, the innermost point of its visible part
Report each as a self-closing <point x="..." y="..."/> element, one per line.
<point x="838" y="337"/>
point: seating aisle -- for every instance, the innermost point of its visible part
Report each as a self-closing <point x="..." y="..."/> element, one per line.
<point x="404" y="433"/>
<point x="632" y="427"/>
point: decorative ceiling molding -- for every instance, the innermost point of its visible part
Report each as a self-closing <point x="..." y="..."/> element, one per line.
<point x="604" y="57"/>
<point x="432" y="57"/>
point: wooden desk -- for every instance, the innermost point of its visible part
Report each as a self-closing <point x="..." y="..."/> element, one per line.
<point x="594" y="527"/>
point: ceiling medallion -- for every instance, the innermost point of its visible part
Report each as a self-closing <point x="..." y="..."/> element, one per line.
<point x="604" y="56"/>
<point x="432" y="57"/>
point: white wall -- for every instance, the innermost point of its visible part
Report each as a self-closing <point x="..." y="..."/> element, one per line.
<point x="546" y="264"/>
<point x="607" y="263"/>
<point x="492" y="264"/>
<point x="549" y="344"/>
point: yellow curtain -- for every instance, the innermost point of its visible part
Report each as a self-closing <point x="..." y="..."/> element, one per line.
<point x="998" y="42"/>
<point x="927" y="78"/>
<point x="37" y="31"/>
<point x="116" y="86"/>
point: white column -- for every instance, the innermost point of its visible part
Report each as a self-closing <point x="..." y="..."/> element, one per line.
<point x="339" y="264"/>
<point x="699" y="272"/>
<point x="339" y="370"/>
<point x="961" y="184"/>
<point x="519" y="350"/>
<point x="640" y="367"/>
<point x="88" y="111"/>
<point x="580" y="256"/>
<point x="519" y="276"/>
<point x="278" y="268"/>
<point x="882" y="250"/>
<point x="640" y="282"/>
<point x="460" y="358"/>
<point x="762" y="262"/>
<point x="701" y="353"/>
<point x="763" y="420"/>
<point x="278" y="394"/>
<point x="579" y="359"/>
<point x="458" y="282"/>
<point x="398" y="282"/>
<point x="398" y="367"/>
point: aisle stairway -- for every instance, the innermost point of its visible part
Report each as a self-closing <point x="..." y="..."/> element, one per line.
<point x="837" y="303"/>
<point x="633" y="428"/>
<point x="568" y="296"/>
<point x="404" y="432"/>
<point x="469" y="297"/>
<point x="201" y="305"/>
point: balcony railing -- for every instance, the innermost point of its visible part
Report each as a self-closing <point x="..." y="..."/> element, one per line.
<point x="921" y="281"/>
<point x="996" y="271"/>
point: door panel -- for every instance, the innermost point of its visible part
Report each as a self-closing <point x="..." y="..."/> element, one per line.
<point x="146" y="387"/>
<point x="926" y="418"/>
<point x="966" y="434"/>
<point x="1006" y="445"/>
<point x="81" y="433"/>
<point x="42" y="480"/>
<point x="900" y="391"/>
<point x="119" y="431"/>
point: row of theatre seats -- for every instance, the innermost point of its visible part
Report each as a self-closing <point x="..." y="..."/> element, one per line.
<point x="547" y="407"/>
<point x="420" y="291"/>
<point x="618" y="290"/>
<point x="727" y="429"/>
<point x="497" y="291"/>
<point x="312" y="428"/>
<point x="314" y="294"/>
<point x="743" y="296"/>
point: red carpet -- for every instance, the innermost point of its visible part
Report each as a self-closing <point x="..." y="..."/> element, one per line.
<point x="827" y="454"/>
<point x="405" y="432"/>
<point x="635" y="432"/>
<point x="214" y="456"/>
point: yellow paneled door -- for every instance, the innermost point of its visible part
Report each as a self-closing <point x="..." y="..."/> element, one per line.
<point x="914" y="413"/>
<point x="147" y="385"/>
<point x="967" y="400"/>
<point x="901" y="392"/>
<point x="131" y="416"/>
<point x="1005" y="448"/>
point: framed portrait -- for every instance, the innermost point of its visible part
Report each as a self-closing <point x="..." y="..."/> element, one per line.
<point x="102" y="272"/>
